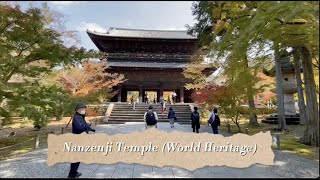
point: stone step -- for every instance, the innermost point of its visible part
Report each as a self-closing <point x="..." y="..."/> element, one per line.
<point x="113" y="122"/>
<point x="122" y="122"/>
<point x="159" y="114"/>
<point x="125" y="113"/>
<point x="141" y="118"/>
<point x="156" y="106"/>
<point x="130" y="107"/>
<point x="137" y="117"/>
<point x="276" y="122"/>
<point x="143" y="111"/>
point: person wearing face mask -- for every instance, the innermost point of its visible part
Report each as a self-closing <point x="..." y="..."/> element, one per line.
<point x="79" y="125"/>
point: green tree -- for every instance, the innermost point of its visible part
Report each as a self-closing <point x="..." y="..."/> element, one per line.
<point x="29" y="49"/>
<point x="277" y="25"/>
<point x="215" y="20"/>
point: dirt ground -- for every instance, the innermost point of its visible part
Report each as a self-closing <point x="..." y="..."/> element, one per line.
<point x="21" y="127"/>
<point x="20" y="137"/>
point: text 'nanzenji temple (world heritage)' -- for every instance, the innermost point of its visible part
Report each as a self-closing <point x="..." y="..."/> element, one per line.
<point x="151" y="60"/>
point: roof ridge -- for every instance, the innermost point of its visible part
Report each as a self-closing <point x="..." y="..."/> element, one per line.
<point x="114" y="28"/>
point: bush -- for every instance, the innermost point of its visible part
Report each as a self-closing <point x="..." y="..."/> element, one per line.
<point x="95" y="111"/>
<point x="258" y="111"/>
<point x="262" y="111"/>
<point x="36" y="114"/>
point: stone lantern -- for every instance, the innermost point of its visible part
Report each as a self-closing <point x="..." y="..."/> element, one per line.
<point x="289" y="85"/>
<point x="289" y="89"/>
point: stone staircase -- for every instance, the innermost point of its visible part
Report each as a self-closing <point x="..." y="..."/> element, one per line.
<point x="123" y="112"/>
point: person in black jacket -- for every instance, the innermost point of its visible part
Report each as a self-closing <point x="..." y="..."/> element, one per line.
<point x="214" y="121"/>
<point x="195" y="120"/>
<point x="171" y="116"/>
<point x="79" y="125"/>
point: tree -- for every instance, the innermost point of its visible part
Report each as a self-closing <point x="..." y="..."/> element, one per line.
<point x="215" y="19"/>
<point x="279" y="25"/>
<point x="90" y="80"/>
<point x="29" y="49"/>
<point x="311" y="135"/>
<point x="293" y="24"/>
<point x="279" y="89"/>
<point x="297" y="68"/>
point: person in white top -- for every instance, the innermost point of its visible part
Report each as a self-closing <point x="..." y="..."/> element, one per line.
<point x="150" y="118"/>
<point x="174" y="95"/>
<point x="135" y="102"/>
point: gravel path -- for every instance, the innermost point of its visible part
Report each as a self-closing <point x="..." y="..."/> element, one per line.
<point x="34" y="164"/>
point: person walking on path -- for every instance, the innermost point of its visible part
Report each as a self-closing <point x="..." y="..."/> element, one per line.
<point x="195" y="120"/>
<point x="79" y="125"/>
<point x="214" y="121"/>
<point x="150" y="118"/>
<point x="171" y="116"/>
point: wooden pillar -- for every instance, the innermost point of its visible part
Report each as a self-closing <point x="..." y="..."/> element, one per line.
<point x="158" y="95"/>
<point x="119" y="93"/>
<point x="140" y="93"/>
<point x="182" y="94"/>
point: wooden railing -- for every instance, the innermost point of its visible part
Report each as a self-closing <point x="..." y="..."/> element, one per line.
<point x="148" y="56"/>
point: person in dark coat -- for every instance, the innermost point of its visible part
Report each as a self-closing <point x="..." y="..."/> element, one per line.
<point x="195" y="120"/>
<point x="214" y="121"/>
<point x="171" y="116"/>
<point x="79" y="125"/>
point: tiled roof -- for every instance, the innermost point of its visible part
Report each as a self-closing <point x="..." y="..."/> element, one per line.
<point x="149" y="64"/>
<point x="141" y="33"/>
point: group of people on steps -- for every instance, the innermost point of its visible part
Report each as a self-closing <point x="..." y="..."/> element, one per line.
<point x="163" y="101"/>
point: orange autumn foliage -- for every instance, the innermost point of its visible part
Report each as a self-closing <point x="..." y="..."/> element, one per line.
<point x="90" y="79"/>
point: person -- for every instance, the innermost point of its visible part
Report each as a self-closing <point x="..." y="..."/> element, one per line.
<point x="135" y="102"/>
<point x="163" y="106"/>
<point x="195" y="120"/>
<point x="174" y="96"/>
<point x="79" y="125"/>
<point x="214" y="121"/>
<point x="171" y="116"/>
<point x="150" y="118"/>
<point x="155" y="99"/>
<point x="148" y="99"/>
<point x="131" y="100"/>
<point x="169" y="102"/>
<point x="161" y="103"/>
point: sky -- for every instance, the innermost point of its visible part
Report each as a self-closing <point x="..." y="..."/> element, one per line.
<point x="100" y="15"/>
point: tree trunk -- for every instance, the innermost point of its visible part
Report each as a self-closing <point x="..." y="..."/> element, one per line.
<point x="311" y="134"/>
<point x="301" y="103"/>
<point x="253" y="117"/>
<point x="237" y="123"/>
<point x="281" y="113"/>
